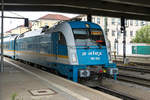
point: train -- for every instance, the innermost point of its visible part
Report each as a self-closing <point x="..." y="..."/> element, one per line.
<point x="75" y="49"/>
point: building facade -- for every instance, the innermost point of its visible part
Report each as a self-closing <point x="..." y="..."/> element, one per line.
<point x="49" y="20"/>
<point x="18" y="30"/>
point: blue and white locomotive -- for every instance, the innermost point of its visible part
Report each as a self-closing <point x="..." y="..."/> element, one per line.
<point x="76" y="49"/>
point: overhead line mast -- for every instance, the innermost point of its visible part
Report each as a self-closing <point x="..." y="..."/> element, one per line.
<point x="2" y="30"/>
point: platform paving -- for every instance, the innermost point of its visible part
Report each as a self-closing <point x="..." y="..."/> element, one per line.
<point x="23" y="82"/>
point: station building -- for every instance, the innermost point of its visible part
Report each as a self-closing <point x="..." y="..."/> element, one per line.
<point x="49" y="20"/>
<point x="18" y="30"/>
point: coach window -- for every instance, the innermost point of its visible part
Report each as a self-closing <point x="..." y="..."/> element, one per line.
<point x="62" y="39"/>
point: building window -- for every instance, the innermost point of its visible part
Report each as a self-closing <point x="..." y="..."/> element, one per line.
<point x="113" y="33"/>
<point x="93" y="19"/>
<point x="119" y="22"/>
<point x="146" y="23"/>
<point x="107" y="29"/>
<point x="119" y="33"/>
<point x="131" y="22"/>
<point x="113" y="21"/>
<point x="46" y="24"/>
<point x="84" y="19"/>
<point x="131" y="33"/>
<point x="38" y="23"/>
<point x="126" y="22"/>
<point x="142" y="23"/>
<point x="136" y="23"/>
<point x="98" y="20"/>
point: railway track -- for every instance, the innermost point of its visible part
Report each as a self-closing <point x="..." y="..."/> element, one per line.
<point x="134" y="68"/>
<point x="115" y="93"/>
<point x="134" y="79"/>
<point x="134" y="63"/>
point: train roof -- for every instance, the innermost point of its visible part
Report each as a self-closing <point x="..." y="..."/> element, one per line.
<point x="73" y="24"/>
<point x="10" y="38"/>
<point x="83" y="24"/>
<point x="31" y="33"/>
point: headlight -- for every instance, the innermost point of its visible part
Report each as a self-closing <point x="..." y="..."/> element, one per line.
<point x="110" y="61"/>
<point x="112" y="71"/>
<point x="74" y="58"/>
<point x="84" y="73"/>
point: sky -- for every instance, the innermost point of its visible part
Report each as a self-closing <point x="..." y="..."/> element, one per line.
<point x="12" y="23"/>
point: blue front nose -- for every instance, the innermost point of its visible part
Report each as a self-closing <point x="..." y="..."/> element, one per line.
<point x="92" y="56"/>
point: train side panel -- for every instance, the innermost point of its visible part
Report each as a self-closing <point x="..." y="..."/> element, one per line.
<point x="43" y="50"/>
<point x="9" y="46"/>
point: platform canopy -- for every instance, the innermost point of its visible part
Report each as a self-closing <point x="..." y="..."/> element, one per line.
<point x="131" y="9"/>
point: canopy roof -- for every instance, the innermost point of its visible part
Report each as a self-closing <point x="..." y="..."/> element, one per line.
<point x="131" y="9"/>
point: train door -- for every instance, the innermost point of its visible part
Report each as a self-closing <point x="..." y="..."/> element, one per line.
<point x="59" y="45"/>
<point x="62" y="51"/>
<point x="15" y="47"/>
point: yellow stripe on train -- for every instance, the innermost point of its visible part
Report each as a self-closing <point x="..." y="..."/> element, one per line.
<point x="35" y="53"/>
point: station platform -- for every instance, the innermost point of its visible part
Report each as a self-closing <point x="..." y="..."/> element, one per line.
<point x="23" y="82"/>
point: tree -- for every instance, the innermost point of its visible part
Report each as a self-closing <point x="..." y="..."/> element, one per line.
<point x="142" y="35"/>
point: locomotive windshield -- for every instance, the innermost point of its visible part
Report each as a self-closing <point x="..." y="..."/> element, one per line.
<point x="81" y="33"/>
<point x="89" y="37"/>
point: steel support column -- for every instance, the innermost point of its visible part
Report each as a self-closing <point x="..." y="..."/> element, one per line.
<point x="123" y="30"/>
<point x="2" y="23"/>
<point x="89" y="17"/>
<point x="105" y="25"/>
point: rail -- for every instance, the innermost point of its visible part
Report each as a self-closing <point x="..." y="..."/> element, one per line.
<point x="115" y="93"/>
<point x="133" y="68"/>
<point x="133" y="79"/>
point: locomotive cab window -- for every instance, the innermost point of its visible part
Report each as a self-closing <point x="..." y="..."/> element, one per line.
<point x="62" y="39"/>
<point x="81" y="33"/>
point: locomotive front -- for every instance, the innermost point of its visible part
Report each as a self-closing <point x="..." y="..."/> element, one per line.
<point x="92" y="53"/>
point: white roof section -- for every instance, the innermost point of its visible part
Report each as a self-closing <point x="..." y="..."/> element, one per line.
<point x="38" y="32"/>
<point x="10" y="38"/>
<point x="31" y="33"/>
